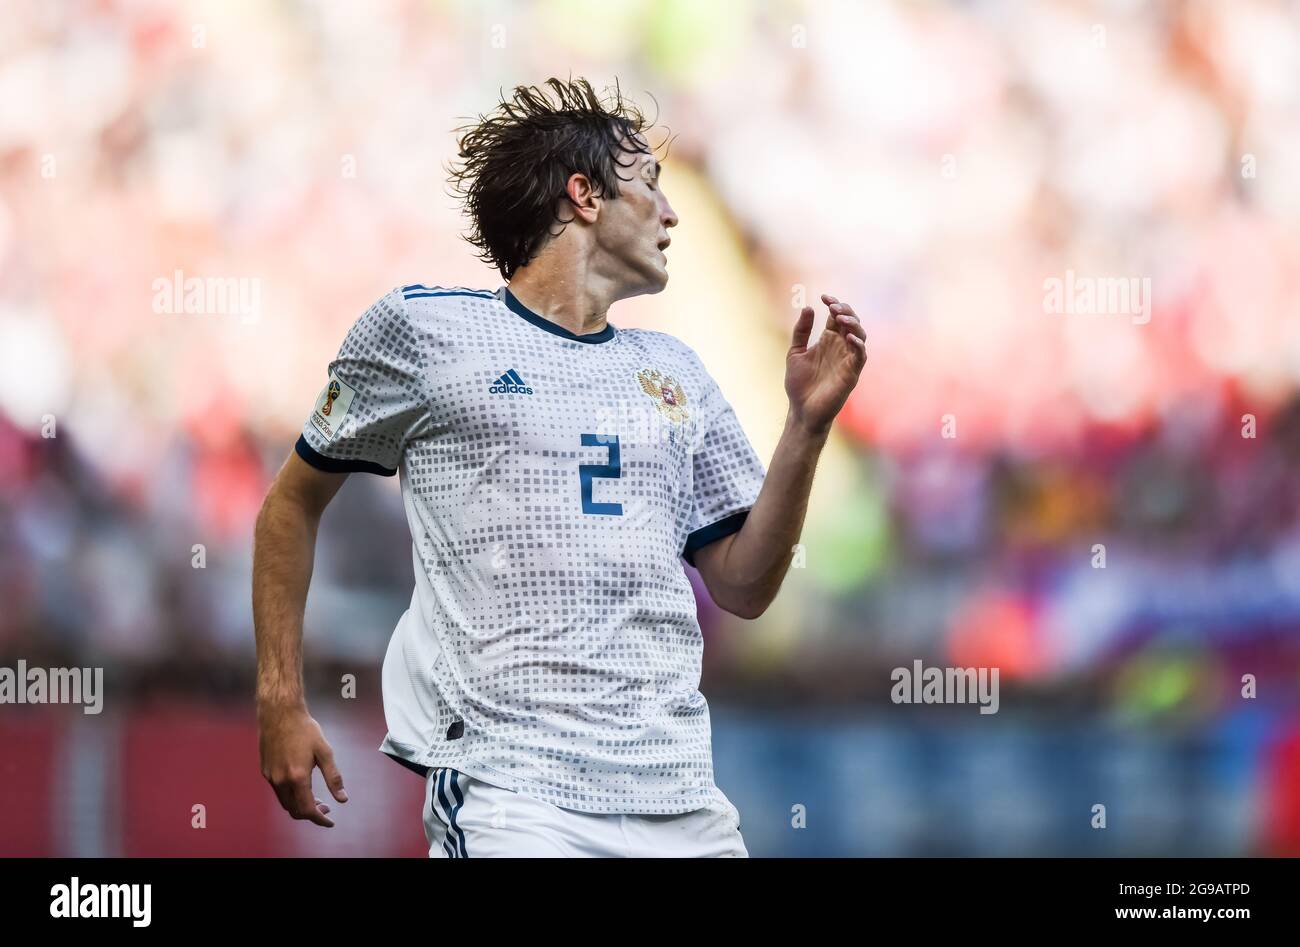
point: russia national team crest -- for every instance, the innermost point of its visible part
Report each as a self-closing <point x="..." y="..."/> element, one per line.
<point x="666" y="393"/>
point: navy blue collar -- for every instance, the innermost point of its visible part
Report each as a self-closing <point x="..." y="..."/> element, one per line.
<point x="519" y="309"/>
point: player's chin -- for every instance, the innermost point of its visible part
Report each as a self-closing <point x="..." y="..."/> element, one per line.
<point x="645" y="288"/>
<point x="657" y="279"/>
<point x="646" y="278"/>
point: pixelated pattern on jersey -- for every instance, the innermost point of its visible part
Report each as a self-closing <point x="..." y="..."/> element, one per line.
<point x="383" y="359"/>
<point x="552" y="644"/>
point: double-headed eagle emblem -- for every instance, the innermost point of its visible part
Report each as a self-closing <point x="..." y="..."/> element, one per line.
<point x="666" y="393"/>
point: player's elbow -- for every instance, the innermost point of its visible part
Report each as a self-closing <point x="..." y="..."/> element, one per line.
<point x="747" y="604"/>
<point x="735" y="586"/>
<point x="748" y="611"/>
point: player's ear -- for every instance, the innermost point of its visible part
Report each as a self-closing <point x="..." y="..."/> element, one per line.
<point x="582" y="203"/>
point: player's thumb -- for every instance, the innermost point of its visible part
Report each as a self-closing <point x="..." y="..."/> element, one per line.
<point x="333" y="778"/>
<point x="802" y="329"/>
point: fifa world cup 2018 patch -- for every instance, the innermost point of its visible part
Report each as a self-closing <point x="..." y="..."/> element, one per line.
<point x="332" y="407"/>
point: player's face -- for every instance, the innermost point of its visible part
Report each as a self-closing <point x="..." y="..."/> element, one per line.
<point x="634" y="228"/>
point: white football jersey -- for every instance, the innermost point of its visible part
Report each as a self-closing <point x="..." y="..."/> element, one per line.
<point x="552" y="482"/>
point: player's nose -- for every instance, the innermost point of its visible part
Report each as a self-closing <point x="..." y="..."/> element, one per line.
<point x="667" y="216"/>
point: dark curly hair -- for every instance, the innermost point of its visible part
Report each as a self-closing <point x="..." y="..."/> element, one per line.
<point x="515" y="163"/>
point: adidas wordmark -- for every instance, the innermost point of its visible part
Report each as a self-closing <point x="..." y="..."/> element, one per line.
<point x="509" y="384"/>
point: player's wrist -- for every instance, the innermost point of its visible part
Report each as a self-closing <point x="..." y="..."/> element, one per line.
<point x="278" y="702"/>
<point x="813" y="432"/>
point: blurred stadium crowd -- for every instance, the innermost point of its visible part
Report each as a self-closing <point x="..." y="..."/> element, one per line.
<point x="932" y="163"/>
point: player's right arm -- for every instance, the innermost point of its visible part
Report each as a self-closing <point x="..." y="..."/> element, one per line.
<point x="290" y="742"/>
<point x="375" y="399"/>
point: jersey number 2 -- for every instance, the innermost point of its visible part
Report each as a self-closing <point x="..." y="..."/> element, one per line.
<point x="611" y="470"/>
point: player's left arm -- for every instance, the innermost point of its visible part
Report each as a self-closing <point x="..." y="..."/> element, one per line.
<point x="744" y="571"/>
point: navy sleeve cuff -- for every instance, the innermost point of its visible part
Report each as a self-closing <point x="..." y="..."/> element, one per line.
<point x="712" y="533"/>
<point x="334" y="465"/>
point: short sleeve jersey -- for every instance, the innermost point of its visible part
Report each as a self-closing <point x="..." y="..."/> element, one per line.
<point x="552" y="483"/>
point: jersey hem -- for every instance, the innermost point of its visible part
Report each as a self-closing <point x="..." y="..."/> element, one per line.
<point x="652" y="805"/>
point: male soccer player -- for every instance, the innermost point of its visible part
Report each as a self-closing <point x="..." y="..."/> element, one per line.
<point x="555" y="468"/>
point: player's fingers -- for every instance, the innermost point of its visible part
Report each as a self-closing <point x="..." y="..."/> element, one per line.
<point x="838" y="312"/>
<point x="832" y="305"/>
<point x="321" y="807"/>
<point x="839" y="307"/>
<point x="333" y="778"/>
<point x="284" y="793"/>
<point x="852" y="326"/>
<point x="295" y="795"/>
<point x="305" y="806"/>
<point x="293" y="799"/>
<point x="802" y="328"/>
<point x="857" y="353"/>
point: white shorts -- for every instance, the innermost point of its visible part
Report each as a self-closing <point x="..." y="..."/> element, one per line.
<point x="468" y="818"/>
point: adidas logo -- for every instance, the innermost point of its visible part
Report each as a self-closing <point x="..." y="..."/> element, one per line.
<point x="509" y="384"/>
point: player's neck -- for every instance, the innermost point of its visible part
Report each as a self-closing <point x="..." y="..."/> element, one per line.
<point x="571" y="303"/>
